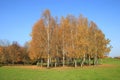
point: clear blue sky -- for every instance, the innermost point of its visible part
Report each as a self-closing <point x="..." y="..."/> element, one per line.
<point x="18" y="16"/>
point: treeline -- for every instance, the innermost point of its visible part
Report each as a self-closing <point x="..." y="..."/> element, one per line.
<point x="13" y="53"/>
<point x="68" y="41"/>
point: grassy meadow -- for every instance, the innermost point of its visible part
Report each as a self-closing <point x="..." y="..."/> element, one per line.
<point x="109" y="70"/>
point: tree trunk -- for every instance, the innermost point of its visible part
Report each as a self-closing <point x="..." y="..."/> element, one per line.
<point x="89" y="60"/>
<point x="95" y="60"/>
<point x="13" y="62"/>
<point x="48" y="61"/>
<point x="63" y="60"/>
<point x="57" y="54"/>
<point x="75" y="63"/>
<point x="83" y="60"/>
<point x="55" y="62"/>
<point x="41" y="62"/>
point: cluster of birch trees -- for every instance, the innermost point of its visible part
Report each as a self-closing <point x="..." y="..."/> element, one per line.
<point x="68" y="41"/>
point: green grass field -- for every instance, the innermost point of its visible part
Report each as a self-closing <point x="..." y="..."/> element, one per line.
<point x="110" y="70"/>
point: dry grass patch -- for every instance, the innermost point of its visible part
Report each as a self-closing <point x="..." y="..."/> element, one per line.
<point x="61" y="68"/>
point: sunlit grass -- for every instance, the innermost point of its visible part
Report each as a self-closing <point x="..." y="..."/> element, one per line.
<point x="109" y="72"/>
